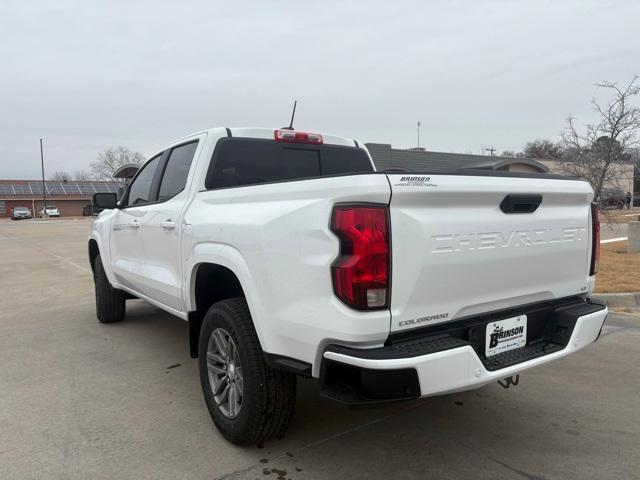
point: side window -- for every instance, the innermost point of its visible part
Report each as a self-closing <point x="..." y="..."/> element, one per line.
<point x="140" y="189"/>
<point x="175" y="174"/>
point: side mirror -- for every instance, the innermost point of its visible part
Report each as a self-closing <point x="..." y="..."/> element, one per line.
<point x="105" y="200"/>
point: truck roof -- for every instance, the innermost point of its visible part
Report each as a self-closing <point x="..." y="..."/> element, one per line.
<point x="268" y="133"/>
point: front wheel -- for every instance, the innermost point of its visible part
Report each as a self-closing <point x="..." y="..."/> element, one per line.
<point x="110" y="302"/>
<point x="248" y="401"/>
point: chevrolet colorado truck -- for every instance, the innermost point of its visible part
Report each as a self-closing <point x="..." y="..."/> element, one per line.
<point x="289" y="255"/>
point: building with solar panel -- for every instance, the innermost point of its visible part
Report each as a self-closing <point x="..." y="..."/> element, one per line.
<point x="71" y="198"/>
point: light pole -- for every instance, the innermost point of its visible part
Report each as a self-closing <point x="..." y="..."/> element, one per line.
<point x="44" y="187"/>
<point x="419" y="125"/>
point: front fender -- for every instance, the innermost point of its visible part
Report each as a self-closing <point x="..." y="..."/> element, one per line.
<point x="100" y="231"/>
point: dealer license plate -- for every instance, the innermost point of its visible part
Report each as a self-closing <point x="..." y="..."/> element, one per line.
<point x="505" y="335"/>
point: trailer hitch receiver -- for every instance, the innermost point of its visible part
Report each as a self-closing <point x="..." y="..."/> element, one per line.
<point x="511" y="381"/>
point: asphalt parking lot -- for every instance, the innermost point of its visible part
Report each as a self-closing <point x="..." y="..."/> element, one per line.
<point x="83" y="400"/>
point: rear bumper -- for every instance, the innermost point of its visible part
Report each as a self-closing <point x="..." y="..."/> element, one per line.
<point x="441" y="363"/>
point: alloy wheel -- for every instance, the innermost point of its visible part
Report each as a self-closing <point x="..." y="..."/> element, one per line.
<point x="225" y="372"/>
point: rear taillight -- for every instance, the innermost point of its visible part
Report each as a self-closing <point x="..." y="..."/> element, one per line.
<point x="292" y="136"/>
<point x="361" y="272"/>
<point x="595" y="246"/>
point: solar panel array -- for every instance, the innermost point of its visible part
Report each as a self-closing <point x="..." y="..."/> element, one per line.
<point x="59" y="188"/>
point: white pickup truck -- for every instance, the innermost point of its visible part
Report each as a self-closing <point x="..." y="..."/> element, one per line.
<point x="288" y="254"/>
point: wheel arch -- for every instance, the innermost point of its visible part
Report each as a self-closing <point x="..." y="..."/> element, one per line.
<point x="213" y="279"/>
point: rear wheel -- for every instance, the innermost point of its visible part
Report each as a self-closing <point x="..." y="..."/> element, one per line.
<point x="249" y="402"/>
<point x="110" y="302"/>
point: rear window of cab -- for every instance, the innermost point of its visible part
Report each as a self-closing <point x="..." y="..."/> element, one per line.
<point x="250" y="161"/>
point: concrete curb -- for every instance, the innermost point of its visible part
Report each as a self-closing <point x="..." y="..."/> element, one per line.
<point x="631" y="299"/>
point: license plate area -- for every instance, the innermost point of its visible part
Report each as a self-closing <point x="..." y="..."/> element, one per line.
<point x="549" y="328"/>
<point x="505" y="335"/>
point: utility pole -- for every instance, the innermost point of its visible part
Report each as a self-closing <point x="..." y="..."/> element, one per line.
<point x="419" y="125"/>
<point x="44" y="187"/>
<point x="491" y="151"/>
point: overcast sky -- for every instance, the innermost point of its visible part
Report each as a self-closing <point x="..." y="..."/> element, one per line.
<point x="86" y="75"/>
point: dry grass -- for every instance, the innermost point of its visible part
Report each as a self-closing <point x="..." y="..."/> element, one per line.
<point x="619" y="216"/>
<point x="619" y="270"/>
<point x="632" y="311"/>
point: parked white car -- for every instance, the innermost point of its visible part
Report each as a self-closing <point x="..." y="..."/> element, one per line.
<point x="49" y="211"/>
<point x="20" y="213"/>
<point x="288" y="254"/>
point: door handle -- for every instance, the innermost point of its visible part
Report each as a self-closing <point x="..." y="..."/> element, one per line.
<point x="168" y="225"/>
<point x="135" y="224"/>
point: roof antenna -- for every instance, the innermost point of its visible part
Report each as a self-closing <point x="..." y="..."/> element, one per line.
<point x="293" y="114"/>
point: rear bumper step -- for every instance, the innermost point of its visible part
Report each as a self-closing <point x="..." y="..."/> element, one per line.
<point x="437" y="362"/>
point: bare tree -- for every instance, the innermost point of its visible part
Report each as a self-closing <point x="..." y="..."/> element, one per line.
<point x="112" y="158"/>
<point x="543" y="150"/>
<point x="602" y="151"/>
<point x="82" y="175"/>
<point x="61" y="176"/>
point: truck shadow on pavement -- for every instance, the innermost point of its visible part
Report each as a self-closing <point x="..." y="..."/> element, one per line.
<point x="543" y="428"/>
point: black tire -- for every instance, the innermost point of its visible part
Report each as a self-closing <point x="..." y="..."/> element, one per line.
<point x="110" y="302"/>
<point x="268" y="395"/>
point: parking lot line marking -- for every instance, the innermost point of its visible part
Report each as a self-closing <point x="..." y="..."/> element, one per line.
<point x="84" y="270"/>
<point x="611" y="240"/>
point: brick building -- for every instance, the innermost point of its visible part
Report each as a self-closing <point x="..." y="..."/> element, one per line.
<point x="625" y="177"/>
<point x="386" y="157"/>
<point x="71" y="198"/>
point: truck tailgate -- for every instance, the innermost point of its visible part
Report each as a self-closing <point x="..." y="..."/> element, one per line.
<point x="456" y="252"/>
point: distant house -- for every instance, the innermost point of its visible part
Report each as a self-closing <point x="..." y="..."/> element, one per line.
<point x="625" y="177"/>
<point x="386" y="157"/>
